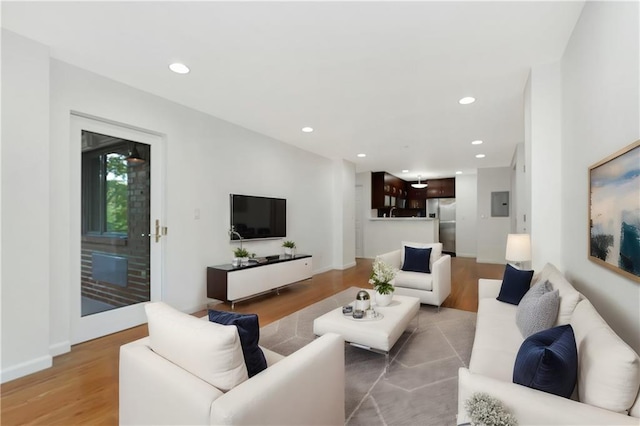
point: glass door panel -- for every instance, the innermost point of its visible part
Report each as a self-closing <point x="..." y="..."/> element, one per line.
<point x="115" y="246"/>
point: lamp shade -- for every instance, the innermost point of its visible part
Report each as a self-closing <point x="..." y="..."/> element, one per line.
<point x="134" y="157"/>
<point x="518" y="248"/>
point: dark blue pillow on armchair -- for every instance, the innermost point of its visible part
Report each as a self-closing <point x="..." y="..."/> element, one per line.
<point x="515" y="284"/>
<point x="548" y="361"/>
<point x="416" y="259"/>
<point x="249" y="332"/>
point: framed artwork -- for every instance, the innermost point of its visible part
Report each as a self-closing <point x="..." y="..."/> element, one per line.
<point x="614" y="212"/>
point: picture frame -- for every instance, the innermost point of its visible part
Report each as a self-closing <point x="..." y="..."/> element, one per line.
<point x="614" y="212"/>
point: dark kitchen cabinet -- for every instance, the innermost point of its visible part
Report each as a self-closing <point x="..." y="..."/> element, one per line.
<point x="441" y="188"/>
<point x="387" y="191"/>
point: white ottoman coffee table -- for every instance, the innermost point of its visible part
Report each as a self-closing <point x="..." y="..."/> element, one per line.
<point x="377" y="335"/>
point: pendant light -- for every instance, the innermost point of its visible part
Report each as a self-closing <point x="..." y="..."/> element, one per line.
<point x="419" y="185"/>
<point x="134" y="157"/>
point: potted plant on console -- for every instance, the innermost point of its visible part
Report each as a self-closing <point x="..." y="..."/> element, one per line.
<point x="289" y="247"/>
<point x="242" y="256"/>
<point x="381" y="277"/>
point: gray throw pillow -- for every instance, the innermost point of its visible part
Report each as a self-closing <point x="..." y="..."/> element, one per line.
<point x="538" y="309"/>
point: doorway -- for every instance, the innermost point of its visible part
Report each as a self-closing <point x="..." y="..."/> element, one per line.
<point x="121" y="239"/>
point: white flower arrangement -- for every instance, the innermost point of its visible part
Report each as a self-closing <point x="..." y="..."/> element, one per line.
<point x="485" y="410"/>
<point x="381" y="275"/>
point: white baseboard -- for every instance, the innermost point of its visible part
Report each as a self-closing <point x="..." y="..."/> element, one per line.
<point x="26" y="368"/>
<point x="348" y="265"/>
<point x="59" y="348"/>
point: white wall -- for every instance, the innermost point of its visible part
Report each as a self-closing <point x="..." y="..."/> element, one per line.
<point x="344" y="246"/>
<point x="206" y="160"/>
<point x="600" y="115"/>
<point x="466" y="215"/>
<point x="545" y="170"/>
<point x="25" y="219"/>
<point x="526" y="203"/>
<point x="385" y="235"/>
<point x="519" y="193"/>
<point x="491" y="231"/>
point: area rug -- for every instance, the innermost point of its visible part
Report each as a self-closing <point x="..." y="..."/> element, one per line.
<point x="421" y="387"/>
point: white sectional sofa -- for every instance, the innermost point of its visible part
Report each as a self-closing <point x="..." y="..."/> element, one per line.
<point x="431" y="289"/>
<point x="306" y="387"/>
<point x="608" y="369"/>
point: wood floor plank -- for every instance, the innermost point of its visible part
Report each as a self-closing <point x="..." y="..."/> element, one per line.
<point x="82" y="386"/>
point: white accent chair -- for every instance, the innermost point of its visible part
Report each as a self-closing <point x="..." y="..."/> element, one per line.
<point x="431" y="289"/>
<point x="304" y="388"/>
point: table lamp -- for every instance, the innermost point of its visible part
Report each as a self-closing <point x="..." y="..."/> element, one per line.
<point x="518" y="249"/>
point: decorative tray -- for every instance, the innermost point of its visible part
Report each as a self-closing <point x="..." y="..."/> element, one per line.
<point x="378" y="317"/>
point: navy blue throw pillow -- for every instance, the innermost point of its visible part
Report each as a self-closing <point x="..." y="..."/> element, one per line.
<point x="515" y="284"/>
<point x="249" y="332"/>
<point x="548" y="361"/>
<point x="416" y="260"/>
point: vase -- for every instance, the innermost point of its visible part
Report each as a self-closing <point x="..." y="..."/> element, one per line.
<point x="290" y="251"/>
<point x="383" y="299"/>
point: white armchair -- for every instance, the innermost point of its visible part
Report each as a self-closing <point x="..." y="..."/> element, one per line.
<point x="175" y="388"/>
<point x="431" y="289"/>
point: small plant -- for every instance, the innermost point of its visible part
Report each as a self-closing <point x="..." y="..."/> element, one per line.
<point x="381" y="275"/>
<point x="289" y="244"/>
<point x="240" y="252"/>
<point x="485" y="410"/>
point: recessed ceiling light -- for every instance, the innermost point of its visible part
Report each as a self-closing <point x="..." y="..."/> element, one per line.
<point x="405" y="171"/>
<point x="476" y="142"/>
<point x="467" y="100"/>
<point x="459" y="172"/>
<point x="307" y="129"/>
<point x="362" y="155"/>
<point x="480" y="156"/>
<point x="179" y="68"/>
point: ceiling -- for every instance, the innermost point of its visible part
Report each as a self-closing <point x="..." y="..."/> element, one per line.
<point x="381" y="78"/>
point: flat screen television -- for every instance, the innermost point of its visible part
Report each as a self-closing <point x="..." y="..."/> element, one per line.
<point x="258" y="217"/>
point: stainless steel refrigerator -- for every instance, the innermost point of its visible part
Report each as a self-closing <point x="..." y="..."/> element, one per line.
<point x="444" y="209"/>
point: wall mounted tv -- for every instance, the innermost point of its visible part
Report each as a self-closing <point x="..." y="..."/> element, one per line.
<point x="258" y="217"/>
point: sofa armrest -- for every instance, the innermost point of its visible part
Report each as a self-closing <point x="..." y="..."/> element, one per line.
<point x="392" y="258"/>
<point x="533" y="407"/>
<point x="441" y="273"/>
<point x="154" y="391"/>
<point x="305" y="388"/>
<point x="488" y="289"/>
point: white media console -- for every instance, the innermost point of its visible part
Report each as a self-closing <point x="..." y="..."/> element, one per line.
<point x="235" y="283"/>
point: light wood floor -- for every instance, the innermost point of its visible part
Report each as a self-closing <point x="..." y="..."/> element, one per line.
<point x="82" y="386"/>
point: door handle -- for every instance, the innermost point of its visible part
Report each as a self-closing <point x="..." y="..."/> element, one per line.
<point x="159" y="231"/>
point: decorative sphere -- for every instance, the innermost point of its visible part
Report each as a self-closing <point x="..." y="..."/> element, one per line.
<point x="362" y="295"/>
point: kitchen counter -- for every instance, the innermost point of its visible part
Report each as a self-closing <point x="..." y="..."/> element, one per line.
<point x="384" y="234"/>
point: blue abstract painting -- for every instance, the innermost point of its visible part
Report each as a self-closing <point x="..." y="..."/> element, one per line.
<point x="614" y="212"/>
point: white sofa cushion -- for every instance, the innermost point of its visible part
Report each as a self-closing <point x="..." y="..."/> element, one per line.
<point x="569" y="296"/>
<point x="497" y="340"/>
<point x="207" y="350"/>
<point x="436" y="251"/>
<point x="609" y="370"/>
<point x="417" y="280"/>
